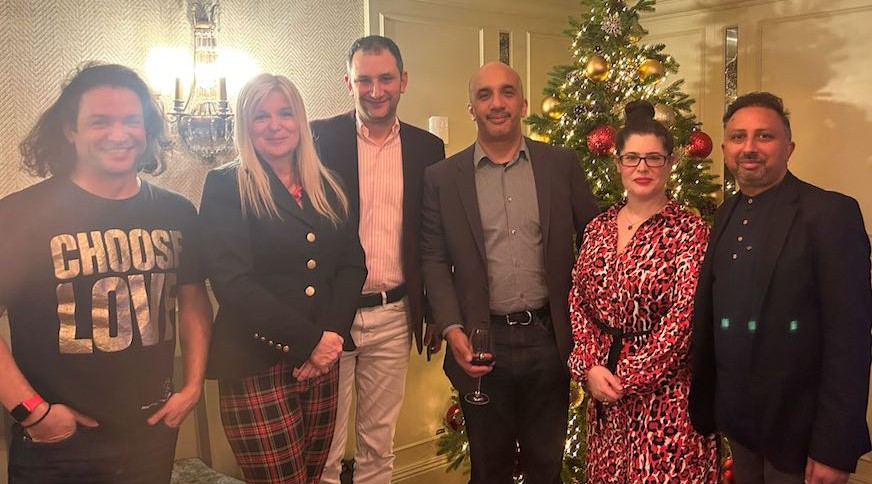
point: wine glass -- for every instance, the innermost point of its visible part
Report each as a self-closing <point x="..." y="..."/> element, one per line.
<point x="482" y="354"/>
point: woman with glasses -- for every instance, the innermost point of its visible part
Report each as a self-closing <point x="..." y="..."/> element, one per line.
<point x="631" y="304"/>
<point x="286" y="265"/>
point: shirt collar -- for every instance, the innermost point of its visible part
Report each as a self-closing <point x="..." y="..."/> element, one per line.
<point x="763" y="197"/>
<point x="363" y="131"/>
<point x="479" y="156"/>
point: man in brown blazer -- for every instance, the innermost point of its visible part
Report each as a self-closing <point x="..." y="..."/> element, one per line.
<point x="382" y="161"/>
<point x="497" y="250"/>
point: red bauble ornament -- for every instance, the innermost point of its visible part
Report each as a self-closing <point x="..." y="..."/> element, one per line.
<point x="728" y="477"/>
<point x="454" y="417"/>
<point x="699" y="145"/>
<point x="601" y="140"/>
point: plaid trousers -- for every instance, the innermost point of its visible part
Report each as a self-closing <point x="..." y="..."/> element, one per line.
<point x="279" y="428"/>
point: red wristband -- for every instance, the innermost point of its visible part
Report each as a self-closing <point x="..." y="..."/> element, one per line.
<point x="25" y="408"/>
<point x="31" y="403"/>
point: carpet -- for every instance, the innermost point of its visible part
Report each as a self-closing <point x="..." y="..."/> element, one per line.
<point x="195" y="471"/>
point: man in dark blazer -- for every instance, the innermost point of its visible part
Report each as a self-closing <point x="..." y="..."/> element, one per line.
<point x="781" y="342"/>
<point x="497" y="248"/>
<point x="382" y="162"/>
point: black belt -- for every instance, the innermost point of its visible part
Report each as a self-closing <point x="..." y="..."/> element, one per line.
<point x="373" y="299"/>
<point x="523" y="318"/>
<point x="615" y="348"/>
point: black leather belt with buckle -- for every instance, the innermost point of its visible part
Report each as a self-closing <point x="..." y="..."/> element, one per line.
<point x="523" y="318"/>
<point x="373" y="299"/>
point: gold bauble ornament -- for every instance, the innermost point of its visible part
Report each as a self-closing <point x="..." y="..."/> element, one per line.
<point x="537" y="136"/>
<point x="576" y="394"/>
<point x="665" y="114"/>
<point x="549" y="107"/>
<point x="597" y="68"/>
<point x="651" y="68"/>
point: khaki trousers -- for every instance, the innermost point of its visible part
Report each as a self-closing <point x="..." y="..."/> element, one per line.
<point x="377" y="371"/>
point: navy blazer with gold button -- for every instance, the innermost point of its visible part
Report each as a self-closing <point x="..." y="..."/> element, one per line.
<point x="280" y="282"/>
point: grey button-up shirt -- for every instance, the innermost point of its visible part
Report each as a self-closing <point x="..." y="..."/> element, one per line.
<point x="509" y="209"/>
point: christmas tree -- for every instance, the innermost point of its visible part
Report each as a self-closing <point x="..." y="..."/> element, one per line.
<point x="584" y="103"/>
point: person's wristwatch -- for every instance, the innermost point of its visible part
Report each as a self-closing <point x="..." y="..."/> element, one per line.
<point x="25" y="408"/>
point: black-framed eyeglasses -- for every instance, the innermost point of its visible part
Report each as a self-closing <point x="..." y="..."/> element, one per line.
<point x="653" y="160"/>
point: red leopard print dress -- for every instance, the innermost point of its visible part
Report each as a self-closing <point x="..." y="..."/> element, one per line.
<point x="646" y="437"/>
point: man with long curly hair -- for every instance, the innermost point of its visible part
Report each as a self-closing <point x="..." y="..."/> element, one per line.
<point x="94" y="262"/>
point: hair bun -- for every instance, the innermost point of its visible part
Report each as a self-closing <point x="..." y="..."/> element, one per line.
<point x="639" y="110"/>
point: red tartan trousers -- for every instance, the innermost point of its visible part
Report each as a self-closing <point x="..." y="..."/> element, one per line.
<point x="279" y="428"/>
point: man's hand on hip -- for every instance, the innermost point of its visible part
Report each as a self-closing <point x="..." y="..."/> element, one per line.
<point x="59" y="425"/>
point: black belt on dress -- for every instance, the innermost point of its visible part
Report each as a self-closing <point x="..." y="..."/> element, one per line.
<point x="615" y="348"/>
<point x="523" y="318"/>
<point x="373" y="299"/>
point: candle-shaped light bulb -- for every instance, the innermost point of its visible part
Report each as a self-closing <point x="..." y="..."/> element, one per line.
<point x="222" y="89"/>
<point x="178" y="89"/>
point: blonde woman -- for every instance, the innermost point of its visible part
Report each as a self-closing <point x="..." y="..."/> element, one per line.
<point x="287" y="267"/>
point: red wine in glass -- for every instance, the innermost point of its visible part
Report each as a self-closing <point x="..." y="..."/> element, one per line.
<point x="482" y="358"/>
<point x="482" y="354"/>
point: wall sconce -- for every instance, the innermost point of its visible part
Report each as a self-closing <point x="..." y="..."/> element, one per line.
<point x="203" y="119"/>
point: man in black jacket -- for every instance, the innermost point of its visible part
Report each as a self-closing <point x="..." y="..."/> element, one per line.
<point x="781" y="343"/>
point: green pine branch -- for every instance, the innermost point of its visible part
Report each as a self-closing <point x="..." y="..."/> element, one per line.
<point x="611" y="29"/>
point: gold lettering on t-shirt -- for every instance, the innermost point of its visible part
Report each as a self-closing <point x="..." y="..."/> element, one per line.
<point x="67" y="341"/>
<point x="64" y="267"/>
<point x="141" y="250"/>
<point x="110" y="299"/>
<point x="148" y="324"/>
<point x="117" y="302"/>
<point x="91" y="251"/>
<point x="163" y="252"/>
<point x="117" y="250"/>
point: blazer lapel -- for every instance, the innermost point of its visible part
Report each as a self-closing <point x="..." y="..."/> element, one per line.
<point x="285" y="200"/>
<point x="703" y="307"/>
<point x="780" y="221"/>
<point x="408" y="164"/>
<point x="346" y="139"/>
<point x="542" y="176"/>
<point x="465" y="179"/>
<point x="726" y="212"/>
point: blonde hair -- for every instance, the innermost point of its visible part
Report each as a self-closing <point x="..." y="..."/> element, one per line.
<point x="253" y="179"/>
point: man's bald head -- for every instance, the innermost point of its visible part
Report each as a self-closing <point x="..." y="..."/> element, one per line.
<point x="491" y="68"/>
<point x="496" y="103"/>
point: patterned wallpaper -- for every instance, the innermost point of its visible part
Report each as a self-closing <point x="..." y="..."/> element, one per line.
<point x="43" y="40"/>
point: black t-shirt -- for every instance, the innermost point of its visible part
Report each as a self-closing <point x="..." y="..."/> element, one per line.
<point x="90" y="285"/>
